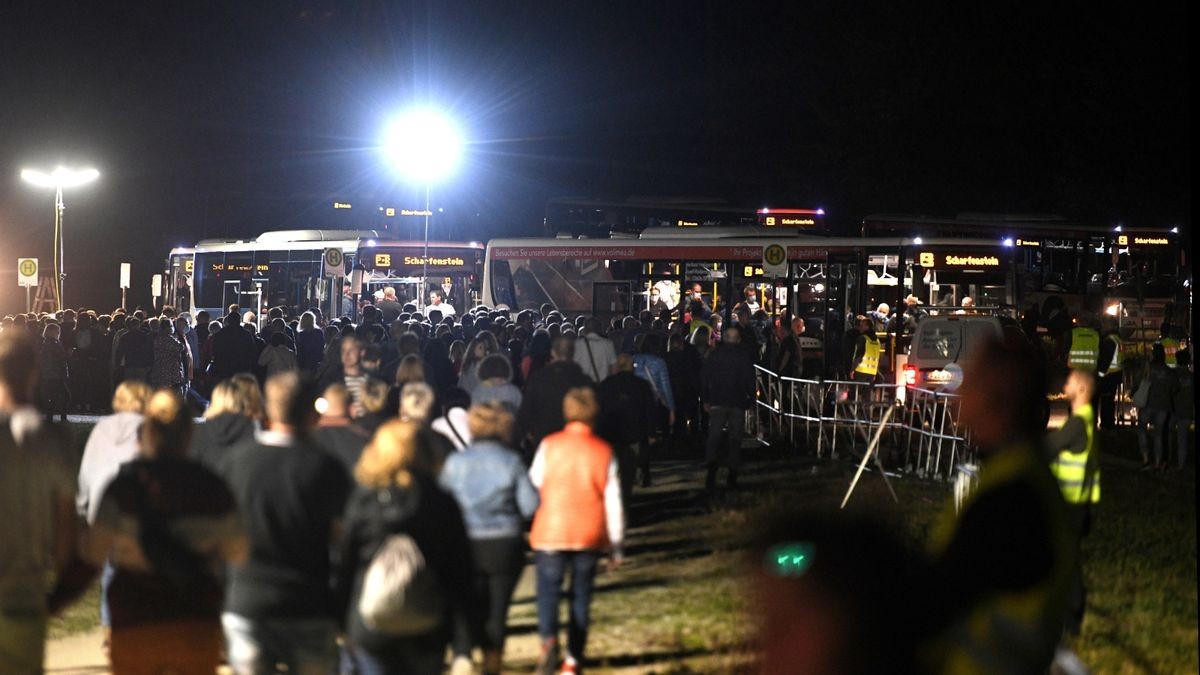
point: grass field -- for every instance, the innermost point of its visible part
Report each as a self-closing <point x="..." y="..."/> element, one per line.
<point x="679" y="604"/>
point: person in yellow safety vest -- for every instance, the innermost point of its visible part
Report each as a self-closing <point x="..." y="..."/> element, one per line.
<point x="1001" y="568"/>
<point x="1075" y="463"/>
<point x="1085" y="349"/>
<point x="864" y="360"/>
<point x="1170" y="349"/>
<point x="1112" y="373"/>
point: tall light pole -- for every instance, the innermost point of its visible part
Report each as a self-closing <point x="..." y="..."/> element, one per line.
<point x="58" y="179"/>
<point x="423" y="146"/>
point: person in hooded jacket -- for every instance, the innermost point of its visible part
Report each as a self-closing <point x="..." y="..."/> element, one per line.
<point x="235" y="414"/>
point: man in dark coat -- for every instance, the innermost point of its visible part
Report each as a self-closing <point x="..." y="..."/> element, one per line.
<point x="627" y="407"/>
<point x="727" y="388"/>
<point x="541" y="407"/>
<point x="234" y="350"/>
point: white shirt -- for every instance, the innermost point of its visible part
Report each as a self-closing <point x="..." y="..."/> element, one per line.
<point x="445" y="308"/>
<point x="454" y="420"/>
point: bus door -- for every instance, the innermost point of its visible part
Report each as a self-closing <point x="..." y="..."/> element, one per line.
<point x="232" y="294"/>
<point x="615" y="299"/>
<point x="843" y="300"/>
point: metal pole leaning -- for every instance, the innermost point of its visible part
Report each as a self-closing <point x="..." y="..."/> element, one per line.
<point x="871" y="450"/>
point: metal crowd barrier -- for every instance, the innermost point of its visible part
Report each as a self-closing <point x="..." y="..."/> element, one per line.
<point x="834" y="412"/>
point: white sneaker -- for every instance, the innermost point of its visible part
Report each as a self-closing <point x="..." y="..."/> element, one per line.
<point x="1066" y="662"/>
<point x="462" y="666"/>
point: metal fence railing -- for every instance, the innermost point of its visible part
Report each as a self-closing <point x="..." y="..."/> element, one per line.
<point x="827" y="414"/>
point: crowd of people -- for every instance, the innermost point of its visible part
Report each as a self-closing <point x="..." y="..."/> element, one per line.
<point x="358" y="494"/>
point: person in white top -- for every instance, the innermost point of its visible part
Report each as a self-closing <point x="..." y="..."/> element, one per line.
<point x="594" y="353"/>
<point x="437" y="301"/>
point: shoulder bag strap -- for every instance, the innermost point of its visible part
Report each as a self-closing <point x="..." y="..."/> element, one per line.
<point x="595" y="371"/>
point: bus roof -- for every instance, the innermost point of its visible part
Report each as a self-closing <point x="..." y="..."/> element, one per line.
<point x="737" y="248"/>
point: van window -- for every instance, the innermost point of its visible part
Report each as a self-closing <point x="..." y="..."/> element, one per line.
<point x="939" y="341"/>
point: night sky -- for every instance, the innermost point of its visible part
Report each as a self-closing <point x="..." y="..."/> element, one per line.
<point x="214" y="119"/>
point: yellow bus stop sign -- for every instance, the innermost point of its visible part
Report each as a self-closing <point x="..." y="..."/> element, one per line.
<point x="27" y="271"/>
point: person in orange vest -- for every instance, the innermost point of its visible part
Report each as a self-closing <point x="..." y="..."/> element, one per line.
<point x="580" y="517"/>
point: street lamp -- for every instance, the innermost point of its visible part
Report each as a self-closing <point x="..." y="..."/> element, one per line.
<point x="58" y="179"/>
<point x="423" y="146"/>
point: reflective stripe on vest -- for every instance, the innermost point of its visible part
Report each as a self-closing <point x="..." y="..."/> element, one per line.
<point x="1071" y="468"/>
<point x="1170" y="348"/>
<point x="1118" y="358"/>
<point x="869" y="364"/>
<point x="1085" y="349"/>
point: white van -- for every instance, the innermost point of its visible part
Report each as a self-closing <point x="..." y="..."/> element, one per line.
<point x="940" y="341"/>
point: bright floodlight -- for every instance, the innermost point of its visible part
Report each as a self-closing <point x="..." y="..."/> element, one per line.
<point x="422" y="145"/>
<point x="61" y="177"/>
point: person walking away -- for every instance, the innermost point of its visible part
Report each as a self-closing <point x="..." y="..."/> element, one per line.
<point x="279" y="607"/>
<point x="625" y="421"/>
<point x="493" y="490"/>
<point x="54" y="396"/>
<point x="232" y="419"/>
<point x="1184" y="407"/>
<point x="37" y="520"/>
<point x="233" y="349"/>
<point x="398" y="504"/>
<point x="172" y="360"/>
<point x="1075" y="463"/>
<point x="649" y="365"/>
<point x="1084" y="351"/>
<point x="453" y="422"/>
<point x="580" y="517"/>
<point x="113" y="442"/>
<point x="169" y="526"/>
<point x="1155" y="416"/>
<point x="540" y="413"/>
<point x="791" y="354"/>
<point x="276" y="358"/>
<point x="727" y="390"/>
<point x="1001" y="567"/>
<point x="135" y="351"/>
<point x="495" y="383"/>
<point x="594" y="354"/>
<point x="683" y="368"/>
<point x="310" y="344"/>
<point x="1112" y="372"/>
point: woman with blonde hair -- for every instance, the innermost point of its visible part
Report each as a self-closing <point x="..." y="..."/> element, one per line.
<point x="235" y="413"/>
<point x="489" y="481"/>
<point x="113" y="441"/>
<point x="169" y="526"/>
<point x="397" y="495"/>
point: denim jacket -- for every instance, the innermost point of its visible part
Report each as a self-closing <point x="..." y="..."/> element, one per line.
<point x="653" y="369"/>
<point x="491" y="486"/>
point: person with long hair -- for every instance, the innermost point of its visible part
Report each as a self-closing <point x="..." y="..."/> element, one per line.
<point x="489" y="481"/>
<point x="398" y="494"/>
<point x="537" y="353"/>
<point x="113" y="442"/>
<point x="235" y="414"/>
<point x="168" y="525"/>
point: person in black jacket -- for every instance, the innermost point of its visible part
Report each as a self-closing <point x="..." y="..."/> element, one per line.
<point x="234" y="350"/>
<point x="727" y="389"/>
<point x="541" y="408"/>
<point x="627" y="408"/>
<point x="231" y="420"/>
<point x="397" y="494"/>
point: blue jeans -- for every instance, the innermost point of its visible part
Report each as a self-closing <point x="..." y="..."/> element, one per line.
<point x="307" y="646"/>
<point x="551" y="568"/>
<point x="105" y="581"/>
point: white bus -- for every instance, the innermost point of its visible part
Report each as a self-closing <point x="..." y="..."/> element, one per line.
<point x="277" y="269"/>
<point x="826" y="280"/>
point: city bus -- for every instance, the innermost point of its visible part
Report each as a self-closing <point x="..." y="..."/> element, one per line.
<point x="453" y="267"/>
<point x="277" y="269"/>
<point x="599" y="218"/>
<point x="824" y="280"/>
<point x="1138" y="276"/>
